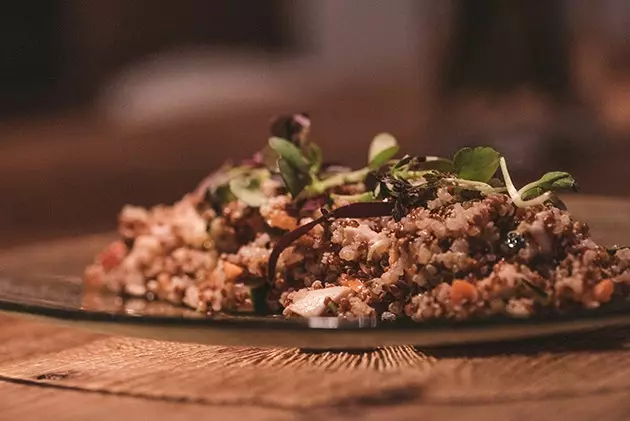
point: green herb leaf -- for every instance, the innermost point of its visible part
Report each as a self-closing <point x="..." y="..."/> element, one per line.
<point x="290" y="154"/>
<point x="551" y="181"/>
<point x="221" y="195"/>
<point x="294" y="180"/>
<point x="478" y="164"/>
<point x="403" y="162"/>
<point x="314" y="157"/>
<point x="248" y="188"/>
<point x="223" y="176"/>
<point x="217" y="184"/>
<point x="360" y="197"/>
<point x="382" y="149"/>
<point x="333" y="307"/>
<point x="269" y="158"/>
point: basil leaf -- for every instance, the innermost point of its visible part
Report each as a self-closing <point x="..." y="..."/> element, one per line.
<point x="314" y="157"/>
<point x="247" y="189"/>
<point x="551" y="181"/>
<point x="382" y="149"/>
<point x="289" y="153"/>
<point x="293" y="179"/>
<point x="478" y="164"/>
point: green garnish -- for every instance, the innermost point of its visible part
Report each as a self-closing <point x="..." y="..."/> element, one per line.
<point x="247" y="188"/>
<point x="540" y="191"/>
<point x="332" y="306"/>
<point x="396" y="186"/>
<point x="290" y="154"/>
<point x="551" y="181"/>
<point x="314" y="156"/>
<point x="478" y="164"/>
<point x="470" y="169"/>
<point x="405" y="183"/>
<point x="269" y="158"/>
<point x="294" y="180"/>
<point x="242" y="182"/>
<point x="382" y="149"/>
<point x="300" y="168"/>
<point x="360" y="197"/>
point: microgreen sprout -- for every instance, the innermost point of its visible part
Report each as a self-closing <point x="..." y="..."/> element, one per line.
<point x="230" y="182"/>
<point x="396" y="186"/>
<point x="300" y="167"/>
<point x="537" y="192"/>
<point x="384" y="187"/>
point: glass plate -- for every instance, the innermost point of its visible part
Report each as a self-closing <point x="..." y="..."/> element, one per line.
<point x="61" y="299"/>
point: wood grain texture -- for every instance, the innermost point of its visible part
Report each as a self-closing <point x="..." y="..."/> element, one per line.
<point x="29" y="403"/>
<point x="20" y="339"/>
<point x="281" y="378"/>
<point x="556" y="368"/>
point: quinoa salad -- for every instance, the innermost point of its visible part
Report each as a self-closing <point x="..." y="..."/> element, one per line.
<point x="404" y="238"/>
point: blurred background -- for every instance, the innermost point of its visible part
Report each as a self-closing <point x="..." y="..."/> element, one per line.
<point x="104" y="103"/>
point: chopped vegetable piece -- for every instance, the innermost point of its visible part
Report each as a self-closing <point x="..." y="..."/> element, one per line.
<point x="313" y="303"/>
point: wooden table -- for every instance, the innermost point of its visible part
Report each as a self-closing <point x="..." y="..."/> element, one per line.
<point x="52" y="372"/>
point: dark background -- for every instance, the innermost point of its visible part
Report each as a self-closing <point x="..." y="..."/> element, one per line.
<point x="57" y="53"/>
<point x="545" y="82"/>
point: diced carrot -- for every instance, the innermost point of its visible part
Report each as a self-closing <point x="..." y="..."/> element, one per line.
<point x="462" y="290"/>
<point x="603" y="291"/>
<point x="112" y="256"/>
<point x="354" y="284"/>
<point x="350" y="282"/>
<point x="282" y="220"/>
<point x="231" y="270"/>
<point x="93" y="276"/>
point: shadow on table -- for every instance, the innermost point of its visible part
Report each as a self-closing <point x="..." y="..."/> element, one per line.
<point x="609" y="339"/>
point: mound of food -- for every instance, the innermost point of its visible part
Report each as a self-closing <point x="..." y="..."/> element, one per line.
<point x="415" y="238"/>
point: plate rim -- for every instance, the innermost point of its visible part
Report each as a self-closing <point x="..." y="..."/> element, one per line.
<point x="277" y="322"/>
